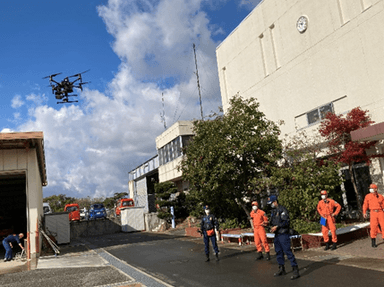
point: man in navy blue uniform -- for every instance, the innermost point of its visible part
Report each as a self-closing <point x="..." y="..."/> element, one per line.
<point x="280" y="227"/>
<point x="7" y="243"/>
<point x="208" y="225"/>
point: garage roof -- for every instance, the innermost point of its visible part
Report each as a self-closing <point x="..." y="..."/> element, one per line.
<point x="26" y="140"/>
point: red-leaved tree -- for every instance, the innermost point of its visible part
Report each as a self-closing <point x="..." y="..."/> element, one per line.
<point x="336" y="129"/>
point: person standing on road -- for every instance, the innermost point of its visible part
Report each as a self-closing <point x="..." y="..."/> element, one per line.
<point x="375" y="203"/>
<point x="207" y="228"/>
<point x="259" y="221"/>
<point x="280" y="227"/>
<point x="7" y="243"/>
<point x="328" y="209"/>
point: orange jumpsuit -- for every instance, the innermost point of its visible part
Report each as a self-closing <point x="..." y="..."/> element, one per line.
<point x="375" y="203"/>
<point x="326" y="208"/>
<point x="259" y="220"/>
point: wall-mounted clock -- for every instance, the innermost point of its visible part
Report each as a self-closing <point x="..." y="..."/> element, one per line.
<point x="302" y="24"/>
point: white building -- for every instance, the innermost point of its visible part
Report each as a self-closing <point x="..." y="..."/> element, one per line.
<point x="141" y="184"/>
<point x="169" y="147"/>
<point x="303" y="58"/>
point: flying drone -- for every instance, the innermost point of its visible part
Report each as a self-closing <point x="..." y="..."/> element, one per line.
<point x="63" y="89"/>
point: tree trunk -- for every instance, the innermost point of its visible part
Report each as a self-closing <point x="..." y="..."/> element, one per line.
<point x="359" y="206"/>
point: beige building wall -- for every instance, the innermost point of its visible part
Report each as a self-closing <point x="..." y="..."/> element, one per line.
<point x="168" y="171"/>
<point x="339" y="59"/>
<point x="21" y="161"/>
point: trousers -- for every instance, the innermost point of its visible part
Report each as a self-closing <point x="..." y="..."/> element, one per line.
<point x="283" y="245"/>
<point x="8" y="250"/>
<point x="377" y="218"/>
<point x="206" y="243"/>
<point x="260" y="239"/>
<point x="330" y="225"/>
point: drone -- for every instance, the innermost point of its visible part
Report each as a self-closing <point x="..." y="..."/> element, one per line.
<point x="63" y="89"/>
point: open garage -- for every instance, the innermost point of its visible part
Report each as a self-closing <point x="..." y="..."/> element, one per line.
<point x="22" y="177"/>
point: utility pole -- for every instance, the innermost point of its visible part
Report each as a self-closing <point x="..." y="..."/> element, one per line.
<point x="198" y="83"/>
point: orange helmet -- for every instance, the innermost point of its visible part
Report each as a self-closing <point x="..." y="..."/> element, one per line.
<point x="374" y="186"/>
<point x="255" y="203"/>
<point x="324" y="192"/>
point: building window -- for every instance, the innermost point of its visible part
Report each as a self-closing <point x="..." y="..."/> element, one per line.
<point x="173" y="149"/>
<point x="319" y="113"/>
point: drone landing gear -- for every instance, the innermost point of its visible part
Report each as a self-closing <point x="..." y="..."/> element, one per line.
<point x="66" y="102"/>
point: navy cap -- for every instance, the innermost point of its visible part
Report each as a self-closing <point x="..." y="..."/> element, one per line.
<point x="271" y="199"/>
<point x="206" y="207"/>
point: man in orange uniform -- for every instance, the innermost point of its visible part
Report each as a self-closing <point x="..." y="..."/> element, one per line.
<point x="375" y="203"/>
<point x="329" y="209"/>
<point x="259" y="221"/>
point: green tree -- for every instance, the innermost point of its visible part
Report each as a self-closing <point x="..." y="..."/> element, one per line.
<point x="300" y="177"/>
<point x="58" y="202"/>
<point x="109" y="202"/>
<point x="226" y="154"/>
<point x="163" y="192"/>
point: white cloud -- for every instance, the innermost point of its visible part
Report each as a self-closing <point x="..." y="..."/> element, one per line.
<point x="17" y="102"/>
<point x="37" y="99"/>
<point x="7" y="130"/>
<point x="90" y="147"/>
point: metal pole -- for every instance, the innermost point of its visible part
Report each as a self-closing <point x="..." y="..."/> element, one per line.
<point x="173" y="217"/>
<point x="198" y="83"/>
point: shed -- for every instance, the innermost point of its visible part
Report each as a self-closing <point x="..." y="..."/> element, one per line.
<point x="22" y="177"/>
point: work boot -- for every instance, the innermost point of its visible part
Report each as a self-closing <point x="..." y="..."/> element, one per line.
<point x="281" y="271"/>
<point x="259" y="256"/>
<point x="217" y="257"/>
<point x="267" y="256"/>
<point x="207" y="259"/>
<point x="334" y="246"/>
<point x="296" y="274"/>
<point x="374" y="242"/>
<point x="326" y="246"/>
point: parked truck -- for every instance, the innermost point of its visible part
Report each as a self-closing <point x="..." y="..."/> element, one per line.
<point x="123" y="204"/>
<point x="74" y="211"/>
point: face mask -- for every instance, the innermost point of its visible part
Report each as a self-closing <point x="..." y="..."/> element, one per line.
<point x="207" y="211"/>
<point x="254" y="207"/>
<point x="371" y="190"/>
<point x="273" y="205"/>
<point x="323" y="197"/>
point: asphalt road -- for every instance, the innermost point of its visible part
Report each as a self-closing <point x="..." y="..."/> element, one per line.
<point x="179" y="261"/>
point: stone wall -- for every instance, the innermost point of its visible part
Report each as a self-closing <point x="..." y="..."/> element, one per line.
<point x="95" y="227"/>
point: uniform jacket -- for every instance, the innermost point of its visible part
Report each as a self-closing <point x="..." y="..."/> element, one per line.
<point x="280" y="218"/>
<point x="12" y="238"/>
<point x="209" y="222"/>
<point x="373" y="201"/>
<point x="327" y="207"/>
<point x="259" y="218"/>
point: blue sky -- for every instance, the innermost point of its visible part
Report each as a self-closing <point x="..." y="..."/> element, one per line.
<point x="136" y="51"/>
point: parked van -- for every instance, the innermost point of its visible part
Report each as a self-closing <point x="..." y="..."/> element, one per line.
<point x="97" y="211"/>
<point x="123" y="204"/>
<point x="74" y="211"/>
<point x="46" y="208"/>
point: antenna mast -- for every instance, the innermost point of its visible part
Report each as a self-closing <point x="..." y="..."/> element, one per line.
<point x="198" y="83"/>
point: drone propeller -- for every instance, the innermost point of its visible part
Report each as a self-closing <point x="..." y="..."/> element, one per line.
<point x="51" y="76"/>
<point x="79" y="74"/>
